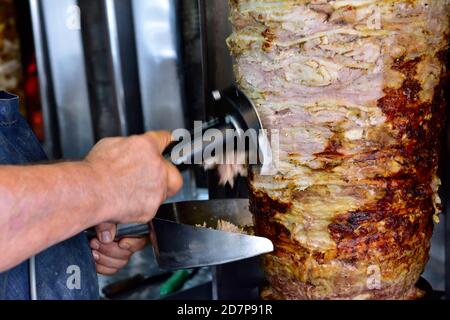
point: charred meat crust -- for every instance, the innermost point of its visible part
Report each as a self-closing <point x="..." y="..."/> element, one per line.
<point x="403" y="245"/>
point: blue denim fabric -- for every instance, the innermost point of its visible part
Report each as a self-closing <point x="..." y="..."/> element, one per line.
<point x="56" y="266"/>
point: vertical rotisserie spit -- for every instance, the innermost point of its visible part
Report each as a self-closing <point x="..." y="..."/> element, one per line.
<point x="356" y="90"/>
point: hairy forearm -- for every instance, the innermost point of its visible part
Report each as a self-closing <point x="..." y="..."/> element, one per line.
<point x="42" y="205"/>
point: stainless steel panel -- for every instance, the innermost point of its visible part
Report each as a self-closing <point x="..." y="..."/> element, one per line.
<point x="216" y="29"/>
<point x="51" y="142"/>
<point x="68" y="75"/>
<point x="125" y="67"/>
<point x="113" y="37"/>
<point x="157" y="50"/>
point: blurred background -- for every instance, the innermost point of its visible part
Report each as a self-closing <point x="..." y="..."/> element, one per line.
<point x="90" y="69"/>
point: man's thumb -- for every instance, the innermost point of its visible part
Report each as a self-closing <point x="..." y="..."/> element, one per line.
<point x="106" y="232"/>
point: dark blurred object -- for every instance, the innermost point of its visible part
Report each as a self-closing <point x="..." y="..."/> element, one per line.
<point x="120" y="288"/>
<point x="430" y="294"/>
<point x="127" y="288"/>
<point x="240" y="280"/>
<point x="34" y="111"/>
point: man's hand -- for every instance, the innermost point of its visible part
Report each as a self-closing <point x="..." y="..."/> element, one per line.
<point x="138" y="180"/>
<point x="134" y="177"/>
<point x="111" y="256"/>
<point x="122" y="180"/>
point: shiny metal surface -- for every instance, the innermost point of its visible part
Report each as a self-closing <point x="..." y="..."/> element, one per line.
<point x="235" y="211"/>
<point x="215" y="29"/>
<point x="158" y="58"/>
<point x="51" y="143"/>
<point x="111" y="65"/>
<point x="116" y="64"/>
<point x="179" y="242"/>
<point x="180" y="246"/>
<point x="235" y="112"/>
<point x="61" y="22"/>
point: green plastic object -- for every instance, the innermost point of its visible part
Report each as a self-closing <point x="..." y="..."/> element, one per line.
<point x="175" y="282"/>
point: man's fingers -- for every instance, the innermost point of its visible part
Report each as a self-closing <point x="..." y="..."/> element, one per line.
<point x="174" y="180"/>
<point x="106" y="232"/>
<point x="121" y="250"/>
<point x="111" y="250"/>
<point x="109" y="262"/>
<point x="162" y="139"/>
<point x="133" y="244"/>
<point x="105" y="270"/>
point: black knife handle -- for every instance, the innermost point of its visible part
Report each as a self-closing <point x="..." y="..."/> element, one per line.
<point x="127" y="231"/>
<point x="133" y="231"/>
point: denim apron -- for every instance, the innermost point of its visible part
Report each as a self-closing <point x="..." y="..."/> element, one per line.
<point x="64" y="271"/>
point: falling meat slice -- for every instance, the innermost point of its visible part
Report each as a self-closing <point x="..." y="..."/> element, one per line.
<point x="229" y="172"/>
<point x="226" y="226"/>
